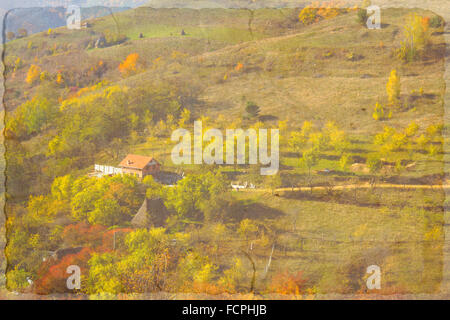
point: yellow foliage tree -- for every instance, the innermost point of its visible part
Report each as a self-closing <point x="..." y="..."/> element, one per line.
<point x="308" y="15"/>
<point x="184" y="118"/>
<point x="416" y="37"/>
<point x="393" y="88"/>
<point x="59" y="78"/>
<point x="33" y="74"/>
<point x="378" y="112"/>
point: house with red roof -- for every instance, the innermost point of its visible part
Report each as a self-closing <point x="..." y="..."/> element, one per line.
<point x="139" y="166"/>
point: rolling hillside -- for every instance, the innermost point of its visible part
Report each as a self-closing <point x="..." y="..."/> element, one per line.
<point x="333" y="68"/>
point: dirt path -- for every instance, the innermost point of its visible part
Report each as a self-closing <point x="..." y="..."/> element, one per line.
<point x="353" y="186"/>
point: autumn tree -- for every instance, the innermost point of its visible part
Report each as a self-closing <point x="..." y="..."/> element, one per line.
<point x="104" y="276"/>
<point x="195" y="272"/>
<point x="416" y="37"/>
<point x="185" y="117"/>
<point x="107" y="201"/>
<point x="393" y="88"/>
<point x="87" y="115"/>
<point x="412" y="129"/>
<point x="247" y="229"/>
<point x="17" y="279"/>
<point x="33" y="74"/>
<point x="337" y="139"/>
<point x="378" y="112"/>
<point x="390" y="140"/>
<point x="31" y="117"/>
<point x="234" y="277"/>
<point x="308" y="15"/>
<point x="142" y="266"/>
<point x="298" y="140"/>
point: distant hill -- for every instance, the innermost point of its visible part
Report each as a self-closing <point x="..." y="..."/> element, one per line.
<point x="251" y="4"/>
<point x="35" y="20"/>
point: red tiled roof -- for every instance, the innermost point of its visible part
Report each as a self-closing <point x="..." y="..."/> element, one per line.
<point x="136" y="161"/>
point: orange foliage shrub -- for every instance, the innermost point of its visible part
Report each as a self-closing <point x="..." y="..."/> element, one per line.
<point x="206" y="288"/>
<point x="128" y="66"/>
<point x="317" y="11"/>
<point x="59" y="78"/>
<point x="52" y="277"/>
<point x="287" y="283"/>
<point x="426" y="23"/>
<point x="83" y="234"/>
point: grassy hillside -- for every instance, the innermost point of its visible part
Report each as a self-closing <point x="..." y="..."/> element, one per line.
<point x="335" y="67"/>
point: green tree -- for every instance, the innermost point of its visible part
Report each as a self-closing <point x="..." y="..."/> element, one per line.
<point x="362" y="16"/>
<point x="309" y="160"/>
<point x="31" y="116"/>
<point x="218" y="199"/>
<point x="186" y="196"/>
<point x="154" y="189"/>
<point x="106" y="212"/>
<point x="107" y="201"/>
<point x="199" y="196"/>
